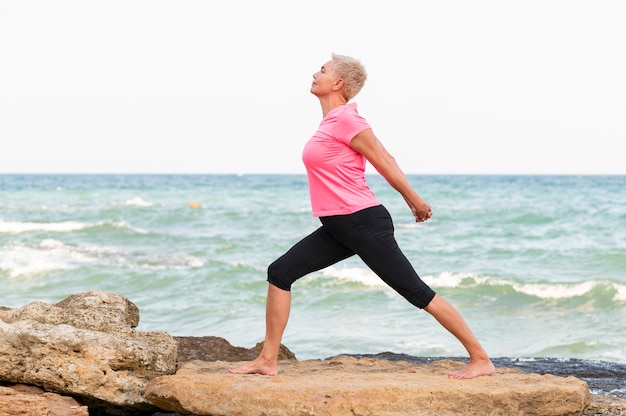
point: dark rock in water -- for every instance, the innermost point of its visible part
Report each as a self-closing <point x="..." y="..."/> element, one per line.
<point x="602" y="377"/>
<point x="210" y="348"/>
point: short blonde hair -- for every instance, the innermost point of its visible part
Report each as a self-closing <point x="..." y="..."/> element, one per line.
<point x="352" y="72"/>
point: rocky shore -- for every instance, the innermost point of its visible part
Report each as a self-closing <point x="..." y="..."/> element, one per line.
<point x="83" y="356"/>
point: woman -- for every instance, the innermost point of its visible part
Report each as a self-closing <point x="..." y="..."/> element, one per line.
<point x="353" y="221"/>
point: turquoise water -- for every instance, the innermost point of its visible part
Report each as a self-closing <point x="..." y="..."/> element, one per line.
<point x="536" y="264"/>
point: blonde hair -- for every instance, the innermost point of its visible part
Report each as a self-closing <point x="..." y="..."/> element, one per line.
<point x="352" y="72"/>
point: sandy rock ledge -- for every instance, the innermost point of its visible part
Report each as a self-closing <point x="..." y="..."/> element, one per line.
<point x="366" y="386"/>
<point x="22" y="400"/>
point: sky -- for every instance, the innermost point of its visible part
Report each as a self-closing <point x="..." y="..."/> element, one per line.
<point x="189" y="86"/>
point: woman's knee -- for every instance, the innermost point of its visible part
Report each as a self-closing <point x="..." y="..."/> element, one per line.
<point x="420" y="298"/>
<point x="277" y="275"/>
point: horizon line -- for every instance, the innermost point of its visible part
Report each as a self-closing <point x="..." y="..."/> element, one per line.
<point x="299" y="173"/>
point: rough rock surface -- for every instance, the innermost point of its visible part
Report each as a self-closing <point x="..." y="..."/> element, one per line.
<point x="604" y="405"/>
<point x="96" y="311"/>
<point x="218" y="349"/>
<point x="350" y="386"/>
<point x="84" y="346"/>
<point x="20" y="400"/>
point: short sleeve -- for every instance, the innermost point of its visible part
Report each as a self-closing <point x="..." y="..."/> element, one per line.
<point x="349" y="124"/>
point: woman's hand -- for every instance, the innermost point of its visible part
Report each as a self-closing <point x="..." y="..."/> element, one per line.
<point x="369" y="146"/>
<point x="423" y="212"/>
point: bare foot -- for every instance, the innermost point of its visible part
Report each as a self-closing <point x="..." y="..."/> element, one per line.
<point x="475" y="368"/>
<point x="257" y="366"/>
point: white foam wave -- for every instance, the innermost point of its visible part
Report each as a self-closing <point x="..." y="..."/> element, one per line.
<point x="12" y="227"/>
<point x="138" y="202"/>
<point x="164" y="262"/>
<point x="447" y="279"/>
<point x="20" y="260"/>
<point x="621" y="293"/>
<point x="555" y="290"/>
<point x="558" y="290"/>
<point x="540" y="290"/>
<point x="409" y="225"/>
<point x="124" y="224"/>
<point x="354" y="274"/>
<point x="368" y="278"/>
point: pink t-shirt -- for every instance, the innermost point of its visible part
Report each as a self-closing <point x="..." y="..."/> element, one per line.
<point x="335" y="171"/>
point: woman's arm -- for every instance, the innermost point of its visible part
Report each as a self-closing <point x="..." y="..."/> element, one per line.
<point x="369" y="146"/>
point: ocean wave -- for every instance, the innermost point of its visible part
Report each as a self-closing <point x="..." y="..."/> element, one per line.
<point x="153" y="261"/>
<point x="23" y="260"/>
<point x="354" y="274"/>
<point x="556" y="290"/>
<point x="17" y="227"/>
<point x="451" y="280"/>
<point x="409" y="225"/>
<point x="19" y="259"/>
<point x="543" y="290"/>
<point x="138" y="202"/>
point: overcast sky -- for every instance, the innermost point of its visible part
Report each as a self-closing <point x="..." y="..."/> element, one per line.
<point x="189" y="86"/>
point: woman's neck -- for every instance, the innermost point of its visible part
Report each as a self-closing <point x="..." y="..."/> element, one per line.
<point x="331" y="102"/>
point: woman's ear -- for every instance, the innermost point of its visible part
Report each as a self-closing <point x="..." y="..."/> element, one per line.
<point x="338" y="85"/>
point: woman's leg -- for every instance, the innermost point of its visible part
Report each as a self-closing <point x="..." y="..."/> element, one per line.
<point x="276" y="316"/>
<point x="371" y="237"/>
<point x="451" y="319"/>
<point x="314" y="252"/>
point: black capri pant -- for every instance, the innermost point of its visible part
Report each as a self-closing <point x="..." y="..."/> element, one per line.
<point x="368" y="233"/>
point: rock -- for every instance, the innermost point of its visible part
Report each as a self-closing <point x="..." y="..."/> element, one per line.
<point x="366" y="386"/>
<point x="84" y="346"/>
<point x="604" y="405"/>
<point x="218" y="349"/>
<point x="22" y="400"/>
<point x="108" y="312"/>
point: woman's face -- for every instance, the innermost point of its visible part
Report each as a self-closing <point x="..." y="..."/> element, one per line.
<point x="323" y="80"/>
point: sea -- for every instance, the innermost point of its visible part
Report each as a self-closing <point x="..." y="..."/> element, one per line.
<point x="535" y="264"/>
